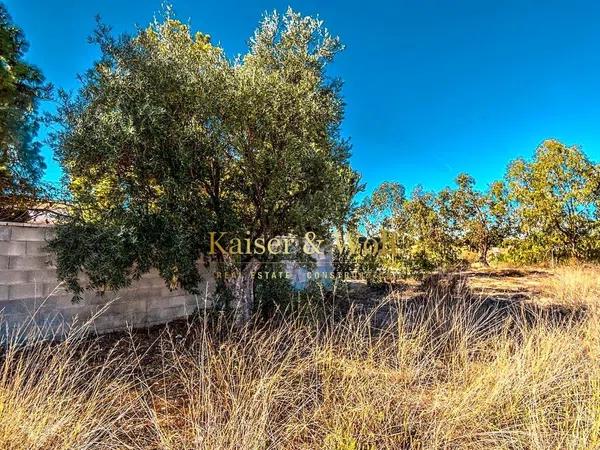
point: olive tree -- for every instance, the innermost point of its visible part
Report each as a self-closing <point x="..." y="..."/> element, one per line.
<point x="168" y="141"/>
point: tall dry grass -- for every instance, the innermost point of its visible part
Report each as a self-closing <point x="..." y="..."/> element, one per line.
<point x="448" y="370"/>
<point x="72" y="394"/>
<point x="573" y="285"/>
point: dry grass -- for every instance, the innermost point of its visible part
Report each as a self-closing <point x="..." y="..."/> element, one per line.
<point x="574" y="285"/>
<point x="66" y="395"/>
<point x="451" y="370"/>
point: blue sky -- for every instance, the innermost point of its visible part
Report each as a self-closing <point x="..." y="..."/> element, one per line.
<point x="432" y="88"/>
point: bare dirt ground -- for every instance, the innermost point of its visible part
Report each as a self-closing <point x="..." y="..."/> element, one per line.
<point x="515" y="283"/>
<point x="525" y="284"/>
<point x="536" y="292"/>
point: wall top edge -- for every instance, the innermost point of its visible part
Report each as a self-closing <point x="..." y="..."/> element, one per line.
<point x="27" y="225"/>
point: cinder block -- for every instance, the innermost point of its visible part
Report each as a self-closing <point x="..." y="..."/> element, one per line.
<point x="14" y="321"/>
<point x="26" y="307"/>
<point x="107" y="322"/>
<point x="168" y="314"/>
<point x="82" y="313"/>
<point x="141" y="293"/>
<point x="50" y="322"/>
<point x="95" y="298"/>
<point x="128" y="306"/>
<point x="8" y="248"/>
<point x="29" y="262"/>
<point x="57" y="301"/>
<point x="153" y="315"/>
<point x="44" y="276"/>
<point x="56" y="289"/>
<point x="37" y="234"/>
<point x="37" y="248"/>
<point x="157" y="302"/>
<point x="175" y="292"/>
<point x="8" y="277"/>
<point x="148" y="282"/>
<point x="5" y="232"/>
<point x="200" y="300"/>
<point x="167" y="302"/>
<point x="152" y="273"/>
<point x="192" y="304"/>
<point x="133" y="320"/>
<point x="28" y="285"/>
<point x="102" y="298"/>
<point x="13" y="276"/>
<point x="92" y="312"/>
<point x="140" y="319"/>
<point x="26" y="291"/>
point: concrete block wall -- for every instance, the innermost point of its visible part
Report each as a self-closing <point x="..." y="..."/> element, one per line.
<point x="32" y="297"/>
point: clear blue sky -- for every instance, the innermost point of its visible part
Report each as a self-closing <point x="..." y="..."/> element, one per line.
<point x="432" y="88"/>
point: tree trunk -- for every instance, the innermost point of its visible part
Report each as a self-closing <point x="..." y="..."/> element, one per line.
<point x="483" y="252"/>
<point x="242" y="289"/>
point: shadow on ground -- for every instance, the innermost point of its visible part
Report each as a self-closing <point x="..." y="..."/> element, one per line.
<point x="442" y="301"/>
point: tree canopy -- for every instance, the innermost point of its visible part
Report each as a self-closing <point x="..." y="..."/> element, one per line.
<point x="556" y="198"/>
<point x="481" y="219"/>
<point x="168" y="140"/>
<point x="545" y="209"/>
<point x="21" y="87"/>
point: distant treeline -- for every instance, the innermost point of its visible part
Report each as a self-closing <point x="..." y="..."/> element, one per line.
<point x="544" y="209"/>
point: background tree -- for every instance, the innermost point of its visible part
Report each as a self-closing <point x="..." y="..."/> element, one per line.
<point x="417" y="231"/>
<point x="364" y="251"/>
<point x="382" y="206"/>
<point x="556" y="200"/>
<point x="346" y="222"/>
<point x="428" y="229"/>
<point x="21" y="87"/>
<point x="481" y="218"/>
<point x="347" y="212"/>
<point x="168" y="140"/>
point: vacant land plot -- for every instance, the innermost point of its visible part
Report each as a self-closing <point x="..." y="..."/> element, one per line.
<point x="504" y="358"/>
